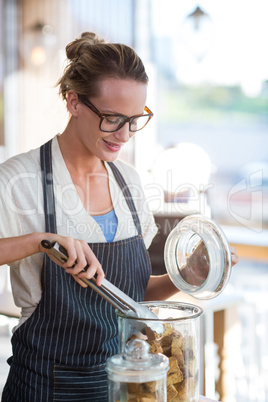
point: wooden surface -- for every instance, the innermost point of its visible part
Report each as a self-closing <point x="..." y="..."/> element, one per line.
<point x="252" y="252"/>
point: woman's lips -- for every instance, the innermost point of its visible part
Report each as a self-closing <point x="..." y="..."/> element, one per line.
<point x="112" y="146"/>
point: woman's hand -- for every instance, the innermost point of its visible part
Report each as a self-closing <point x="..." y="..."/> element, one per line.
<point x="79" y="256"/>
<point x="196" y="269"/>
<point x="234" y="254"/>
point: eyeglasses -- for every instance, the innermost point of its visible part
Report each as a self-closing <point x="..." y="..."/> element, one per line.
<point x="113" y="122"/>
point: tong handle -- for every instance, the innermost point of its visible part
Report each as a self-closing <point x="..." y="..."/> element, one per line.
<point x="121" y="298"/>
<point x="58" y="251"/>
<point x="121" y="306"/>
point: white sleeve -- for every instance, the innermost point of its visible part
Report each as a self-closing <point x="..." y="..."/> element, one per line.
<point x="20" y="197"/>
<point x="10" y="222"/>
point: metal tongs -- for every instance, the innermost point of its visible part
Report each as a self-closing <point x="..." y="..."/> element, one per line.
<point x="112" y="294"/>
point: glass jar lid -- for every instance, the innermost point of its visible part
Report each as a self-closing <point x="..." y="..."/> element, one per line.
<point x="137" y="364"/>
<point x="198" y="257"/>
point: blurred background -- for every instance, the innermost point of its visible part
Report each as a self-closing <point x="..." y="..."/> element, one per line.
<point x="205" y="151"/>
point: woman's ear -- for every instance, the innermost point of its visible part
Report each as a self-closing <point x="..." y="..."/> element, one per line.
<point x="72" y="103"/>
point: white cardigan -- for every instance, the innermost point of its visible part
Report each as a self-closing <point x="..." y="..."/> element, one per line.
<point x="22" y="212"/>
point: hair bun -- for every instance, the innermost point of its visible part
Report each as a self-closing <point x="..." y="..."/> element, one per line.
<point x="76" y="48"/>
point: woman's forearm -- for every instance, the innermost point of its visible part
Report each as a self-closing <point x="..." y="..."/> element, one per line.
<point x="16" y="248"/>
<point x="79" y="254"/>
<point x="160" y="288"/>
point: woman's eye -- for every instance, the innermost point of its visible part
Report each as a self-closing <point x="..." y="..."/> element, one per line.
<point x="134" y="123"/>
<point x="113" y="119"/>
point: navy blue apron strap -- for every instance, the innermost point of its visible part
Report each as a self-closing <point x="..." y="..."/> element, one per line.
<point x="47" y="177"/>
<point x="124" y="187"/>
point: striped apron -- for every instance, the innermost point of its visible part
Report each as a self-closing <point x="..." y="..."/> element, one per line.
<point x="59" y="353"/>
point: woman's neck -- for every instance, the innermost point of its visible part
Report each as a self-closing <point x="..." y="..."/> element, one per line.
<point x="76" y="158"/>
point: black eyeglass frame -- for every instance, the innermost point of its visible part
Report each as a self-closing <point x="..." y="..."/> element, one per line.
<point x="126" y="119"/>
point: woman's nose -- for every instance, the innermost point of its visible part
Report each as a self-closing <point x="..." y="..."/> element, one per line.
<point x="123" y="134"/>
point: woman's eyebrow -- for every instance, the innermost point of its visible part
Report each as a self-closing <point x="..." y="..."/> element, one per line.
<point x="120" y="113"/>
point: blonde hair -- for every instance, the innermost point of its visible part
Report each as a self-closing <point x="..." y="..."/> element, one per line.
<point x="91" y="60"/>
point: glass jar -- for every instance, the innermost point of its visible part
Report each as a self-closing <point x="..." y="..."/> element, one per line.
<point x="137" y="375"/>
<point x="179" y="342"/>
<point x="198" y="261"/>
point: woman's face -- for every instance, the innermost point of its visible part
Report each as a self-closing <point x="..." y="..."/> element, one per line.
<point x="116" y="96"/>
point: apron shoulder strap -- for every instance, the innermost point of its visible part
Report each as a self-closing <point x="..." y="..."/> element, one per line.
<point x="128" y="197"/>
<point x="48" y="192"/>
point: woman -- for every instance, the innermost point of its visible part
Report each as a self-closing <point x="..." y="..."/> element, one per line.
<point x="74" y="192"/>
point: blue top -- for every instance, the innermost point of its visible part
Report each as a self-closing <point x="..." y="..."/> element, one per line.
<point x="108" y="224"/>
